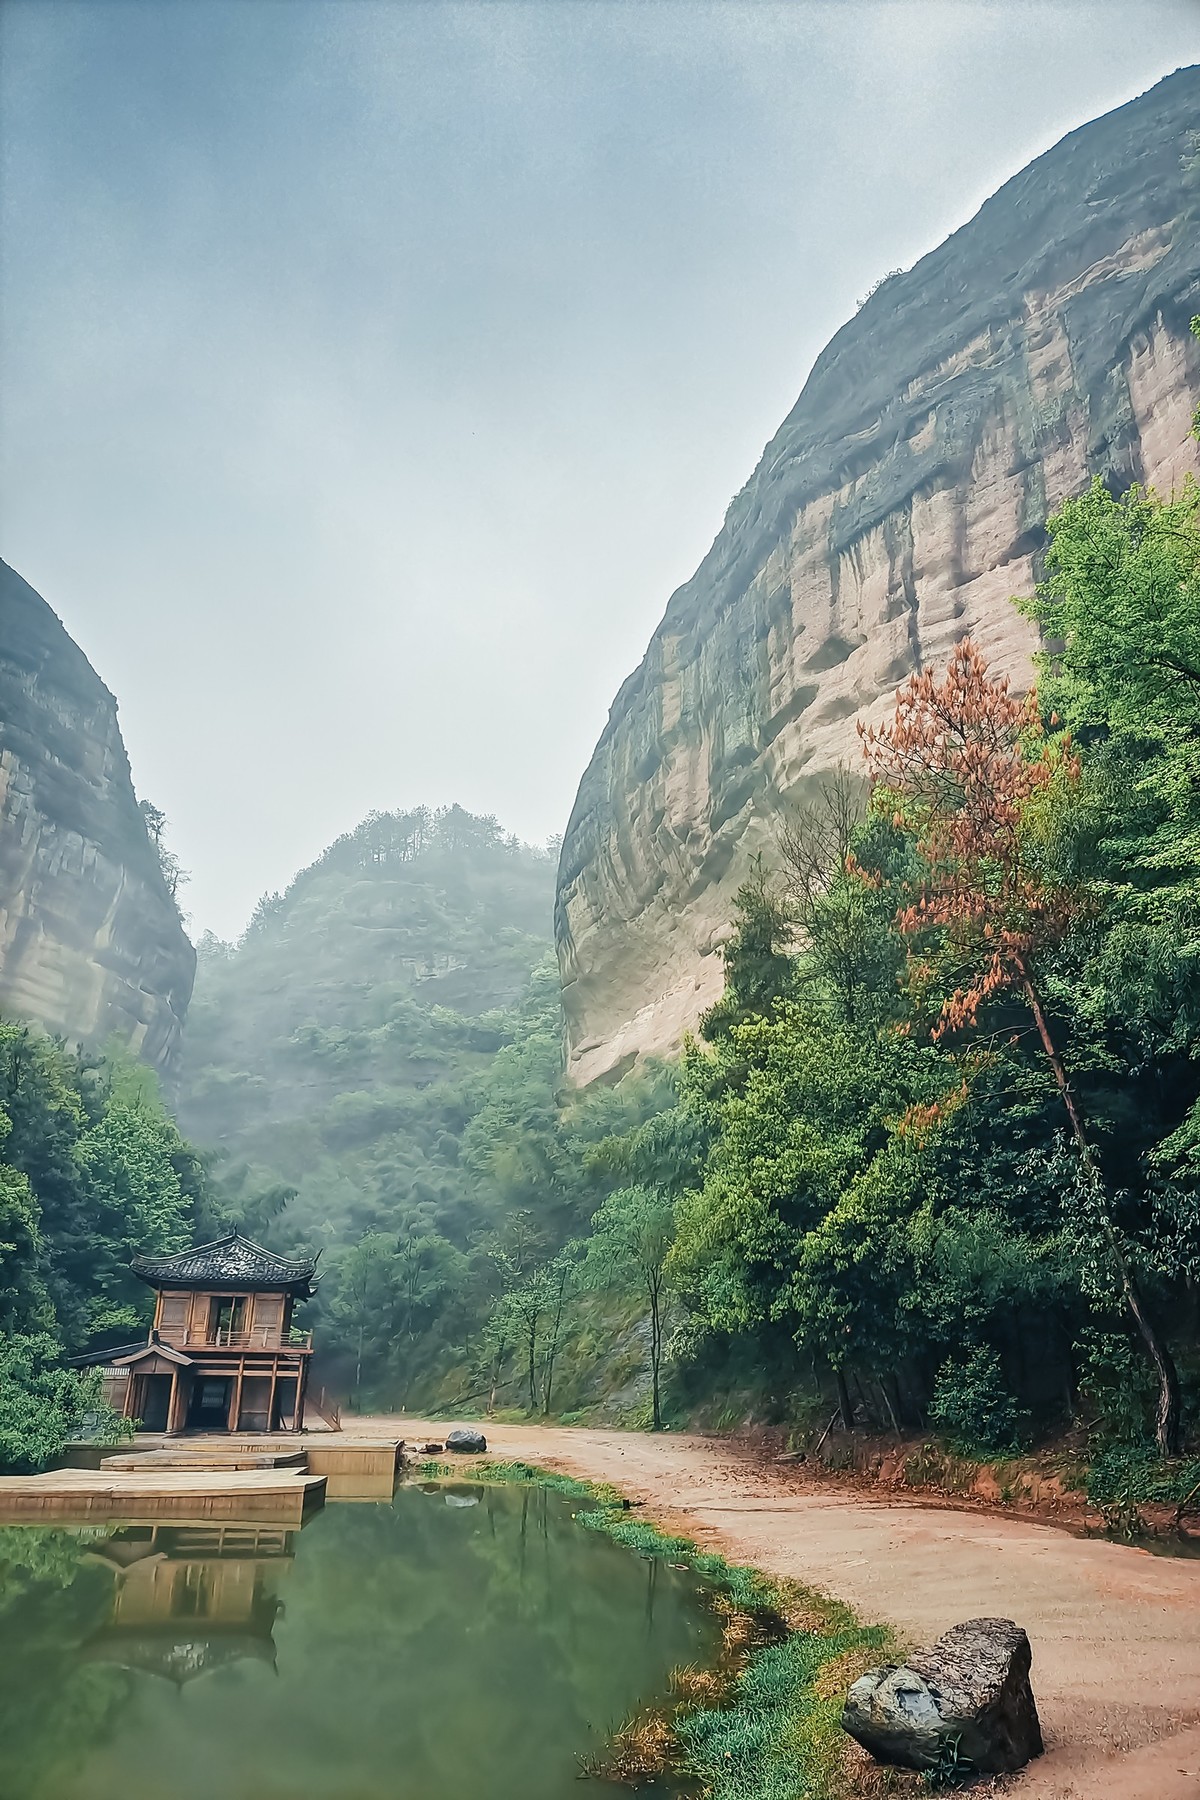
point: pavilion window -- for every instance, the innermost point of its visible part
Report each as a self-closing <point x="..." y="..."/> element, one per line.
<point x="173" y="1317"/>
<point x="227" y="1315"/>
<point x="268" y="1319"/>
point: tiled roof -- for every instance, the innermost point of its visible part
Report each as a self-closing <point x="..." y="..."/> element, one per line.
<point x="112" y="1353"/>
<point x="231" y="1261"/>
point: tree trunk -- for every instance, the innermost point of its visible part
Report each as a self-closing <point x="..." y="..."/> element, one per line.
<point x="549" y="1388"/>
<point x="497" y="1367"/>
<point x="864" y="1399"/>
<point x="897" y="1405"/>
<point x="655" y="1348"/>
<point x="881" y="1383"/>
<point x="1167" y="1410"/>
<point x="843" y="1394"/>
<point x="552" y="1353"/>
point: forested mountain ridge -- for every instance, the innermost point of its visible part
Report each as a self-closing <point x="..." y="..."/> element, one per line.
<point x="337" y="1055"/>
<point x="91" y="943"/>
<point x="382" y="968"/>
<point x="92" y="1170"/>
<point x="902" y="501"/>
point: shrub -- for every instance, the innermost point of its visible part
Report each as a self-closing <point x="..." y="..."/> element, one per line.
<point x="1115" y="1378"/>
<point x="42" y="1403"/>
<point x="974" y="1409"/>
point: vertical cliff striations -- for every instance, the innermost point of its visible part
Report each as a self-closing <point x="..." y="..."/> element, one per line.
<point x="90" y="942"/>
<point x="899" y="506"/>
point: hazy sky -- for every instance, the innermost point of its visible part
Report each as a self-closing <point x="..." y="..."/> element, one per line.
<point x="374" y="369"/>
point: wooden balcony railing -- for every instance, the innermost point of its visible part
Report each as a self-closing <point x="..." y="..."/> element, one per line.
<point x="259" y="1337"/>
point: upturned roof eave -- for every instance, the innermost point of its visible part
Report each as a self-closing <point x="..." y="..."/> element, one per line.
<point x="211" y="1265"/>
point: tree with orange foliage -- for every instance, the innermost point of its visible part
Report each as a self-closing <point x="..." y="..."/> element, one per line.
<point x="968" y="769"/>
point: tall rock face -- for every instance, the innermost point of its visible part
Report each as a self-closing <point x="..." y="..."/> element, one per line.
<point x="90" y="942"/>
<point x="899" y="506"/>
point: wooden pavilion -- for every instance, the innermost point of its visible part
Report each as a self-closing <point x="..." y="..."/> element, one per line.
<point x="222" y="1354"/>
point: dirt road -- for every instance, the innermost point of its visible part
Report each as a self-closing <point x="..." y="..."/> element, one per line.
<point x="1115" y="1629"/>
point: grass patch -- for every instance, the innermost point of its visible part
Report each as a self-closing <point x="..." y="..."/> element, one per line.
<point x="765" y="1723"/>
<point x="1125" y="1472"/>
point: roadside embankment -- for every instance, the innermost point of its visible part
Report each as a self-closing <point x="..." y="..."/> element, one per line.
<point x="1055" y="1485"/>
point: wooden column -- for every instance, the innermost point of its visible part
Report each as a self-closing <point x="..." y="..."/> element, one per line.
<point x="301" y="1388"/>
<point x="173" y="1404"/>
<point x="236" y="1412"/>
<point x="271" y="1401"/>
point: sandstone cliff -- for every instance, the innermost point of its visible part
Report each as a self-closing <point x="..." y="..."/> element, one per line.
<point x="90" y="942"/>
<point x="899" y="506"/>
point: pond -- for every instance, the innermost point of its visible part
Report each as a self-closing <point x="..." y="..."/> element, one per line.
<point x="460" y="1642"/>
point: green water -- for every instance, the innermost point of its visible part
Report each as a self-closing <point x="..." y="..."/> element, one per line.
<point x="463" y="1643"/>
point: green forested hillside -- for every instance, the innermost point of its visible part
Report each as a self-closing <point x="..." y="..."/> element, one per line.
<point x="951" y="1096"/>
<point x="92" y="1169"/>
<point x="375" y="1072"/>
<point x="934" y="1161"/>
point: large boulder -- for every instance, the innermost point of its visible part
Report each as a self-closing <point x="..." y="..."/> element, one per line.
<point x="466" y="1440"/>
<point x="964" y="1703"/>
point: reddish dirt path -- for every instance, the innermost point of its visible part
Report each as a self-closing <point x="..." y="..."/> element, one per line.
<point x="1115" y="1629"/>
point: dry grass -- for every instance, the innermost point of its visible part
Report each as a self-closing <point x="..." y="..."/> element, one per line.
<point x="805" y="1613"/>
<point x="860" y="1777"/>
<point x="837" y="1676"/>
<point x="737" y="1636"/>
<point x="693" y="1686"/>
<point x="642" y="1749"/>
<point x="744" y="1631"/>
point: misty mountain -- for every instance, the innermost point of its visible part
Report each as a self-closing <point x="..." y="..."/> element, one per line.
<point x="382" y="976"/>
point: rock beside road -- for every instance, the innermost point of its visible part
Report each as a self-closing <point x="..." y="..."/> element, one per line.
<point x="965" y="1702"/>
<point x="466" y="1441"/>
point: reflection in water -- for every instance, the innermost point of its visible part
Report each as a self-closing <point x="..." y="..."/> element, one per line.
<point x="454" y="1641"/>
<point x="190" y="1599"/>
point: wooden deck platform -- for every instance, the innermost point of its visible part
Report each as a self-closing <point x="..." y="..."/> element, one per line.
<point x="186" y="1457"/>
<point x="274" y="1479"/>
<point x="350" y="1456"/>
<point x="62" y="1496"/>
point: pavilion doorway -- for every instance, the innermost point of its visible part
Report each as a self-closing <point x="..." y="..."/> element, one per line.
<point x="209" y="1408"/>
<point x="256" y="1404"/>
<point x="152" y="1401"/>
